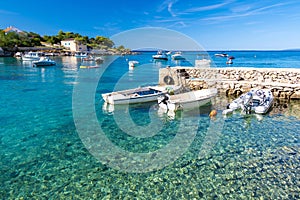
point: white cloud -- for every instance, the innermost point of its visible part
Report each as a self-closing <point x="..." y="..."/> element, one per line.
<point x="7" y="12"/>
<point x="262" y="10"/>
<point x="207" y="8"/>
<point x="167" y="4"/>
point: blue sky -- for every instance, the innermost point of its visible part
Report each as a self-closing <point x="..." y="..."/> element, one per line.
<point x="216" y="25"/>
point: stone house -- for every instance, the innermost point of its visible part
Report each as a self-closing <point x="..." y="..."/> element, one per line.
<point x="72" y="45"/>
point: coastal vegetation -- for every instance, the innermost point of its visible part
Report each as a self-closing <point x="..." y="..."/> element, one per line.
<point x="10" y="41"/>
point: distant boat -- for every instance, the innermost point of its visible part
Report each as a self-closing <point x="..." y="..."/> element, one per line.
<point x="229" y="62"/>
<point x="18" y="55"/>
<point x="177" y="56"/>
<point x="169" y="53"/>
<point x="31" y="56"/>
<point x="99" y="60"/>
<point x="160" y="56"/>
<point x="132" y="63"/>
<point x="43" y="61"/>
<point x="221" y="55"/>
<point x="80" y="55"/>
<point x="88" y="58"/>
<point x="187" y="100"/>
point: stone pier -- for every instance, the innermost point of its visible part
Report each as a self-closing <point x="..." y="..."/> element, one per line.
<point x="283" y="82"/>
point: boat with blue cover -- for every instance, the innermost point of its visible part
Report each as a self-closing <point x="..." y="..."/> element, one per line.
<point x="138" y="95"/>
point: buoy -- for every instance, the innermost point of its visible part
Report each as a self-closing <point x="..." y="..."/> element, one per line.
<point x="213" y="113"/>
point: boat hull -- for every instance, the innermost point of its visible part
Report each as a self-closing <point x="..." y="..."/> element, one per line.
<point x="131" y="100"/>
<point x="137" y="95"/>
<point x="187" y="101"/>
<point x="40" y="64"/>
<point x="30" y="58"/>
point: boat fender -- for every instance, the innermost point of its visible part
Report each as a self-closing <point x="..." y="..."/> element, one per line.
<point x="213" y="113"/>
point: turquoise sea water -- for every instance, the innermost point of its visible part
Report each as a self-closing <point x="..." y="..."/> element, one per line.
<point x="44" y="155"/>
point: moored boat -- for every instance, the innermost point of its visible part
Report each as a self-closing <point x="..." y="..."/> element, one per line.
<point x="258" y="101"/>
<point x="32" y="56"/>
<point x="221" y="55"/>
<point x="132" y="64"/>
<point x="18" y="55"/>
<point x="186" y="100"/>
<point x="81" y="55"/>
<point x="160" y="56"/>
<point x="43" y="61"/>
<point x="177" y="56"/>
<point x="138" y="95"/>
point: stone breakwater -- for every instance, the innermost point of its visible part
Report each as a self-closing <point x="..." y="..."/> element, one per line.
<point x="284" y="83"/>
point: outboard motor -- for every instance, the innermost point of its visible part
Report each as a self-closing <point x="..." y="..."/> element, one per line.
<point x="164" y="100"/>
<point x="247" y="102"/>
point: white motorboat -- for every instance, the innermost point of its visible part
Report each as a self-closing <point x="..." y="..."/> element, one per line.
<point x="186" y="100"/>
<point x="221" y="55"/>
<point x="99" y="59"/>
<point x="177" y="56"/>
<point x="160" y="56"/>
<point x="87" y="58"/>
<point x="32" y="56"/>
<point x="138" y="95"/>
<point x="132" y="64"/>
<point x="18" y="55"/>
<point x="43" y="61"/>
<point x="229" y="62"/>
<point x="258" y="101"/>
<point x="81" y="55"/>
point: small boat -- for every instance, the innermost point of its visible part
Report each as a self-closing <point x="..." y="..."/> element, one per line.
<point x="258" y="101"/>
<point x="160" y="56"/>
<point x="132" y="63"/>
<point x="18" y="55"/>
<point x="138" y="95"/>
<point x="99" y="60"/>
<point x="43" y="61"/>
<point x="177" y="56"/>
<point x="221" y="55"/>
<point x="32" y="56"/>
<point x="81" y="55"/>
<point x="186" y="100"/>
<point x="88" y="58"/>
<point x="229" y="62"/>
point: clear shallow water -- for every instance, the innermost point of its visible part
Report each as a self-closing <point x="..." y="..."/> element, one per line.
<point x="43" y="157"/>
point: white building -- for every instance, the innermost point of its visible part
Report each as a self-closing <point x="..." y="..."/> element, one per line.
<point x="73" y="45"/>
